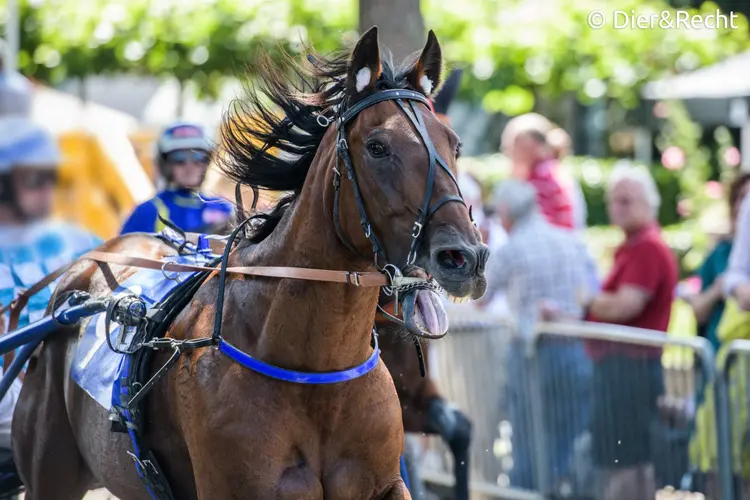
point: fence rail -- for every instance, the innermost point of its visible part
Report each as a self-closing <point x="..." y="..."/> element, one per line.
<point x="545" y="409"/>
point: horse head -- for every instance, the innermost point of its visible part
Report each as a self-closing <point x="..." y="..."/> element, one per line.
<point x="404" y="160"/>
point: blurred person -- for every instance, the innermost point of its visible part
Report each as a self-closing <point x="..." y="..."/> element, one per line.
<point x="560" y="144"/>
<point x="524" y="141"/>
<point x="628" y="380"/>
<point x="492" y="231"/>
<point x="737" y="275"/>
<point x="541" y="267"/>
<point x="31" y="244"/>
<point x="708" y="305"/>
<point x="183" y="156"/>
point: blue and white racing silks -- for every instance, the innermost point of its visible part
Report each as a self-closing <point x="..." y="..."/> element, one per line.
<point x="29" y="253"/>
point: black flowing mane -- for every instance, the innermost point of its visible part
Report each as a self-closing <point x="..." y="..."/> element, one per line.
<point x="271" y="136"/>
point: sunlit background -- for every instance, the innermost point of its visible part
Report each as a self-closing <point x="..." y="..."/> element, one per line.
<point x="107" y="75"/>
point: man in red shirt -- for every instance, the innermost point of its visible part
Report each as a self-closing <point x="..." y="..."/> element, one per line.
<point x="628" y="379"/>
<point x="533" y="159"/>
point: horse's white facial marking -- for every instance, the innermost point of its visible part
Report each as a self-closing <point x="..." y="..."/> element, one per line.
<point x="426" y="84"/>
<point x="363" y="78"/>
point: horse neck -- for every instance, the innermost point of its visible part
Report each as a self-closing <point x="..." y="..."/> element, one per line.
<point x="298" y="324"/>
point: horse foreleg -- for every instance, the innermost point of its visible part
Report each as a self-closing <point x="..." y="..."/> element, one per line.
<point x="455" y="429"/>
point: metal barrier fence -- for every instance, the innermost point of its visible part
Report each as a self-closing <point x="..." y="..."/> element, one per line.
<point x="580" y="410"/>
<point x="733" y="374"/>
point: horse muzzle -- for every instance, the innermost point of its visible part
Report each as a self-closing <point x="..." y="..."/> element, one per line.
<point x="459" y="269"/>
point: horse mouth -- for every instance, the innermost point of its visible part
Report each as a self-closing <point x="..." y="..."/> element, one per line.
<point x="423" y="311"/>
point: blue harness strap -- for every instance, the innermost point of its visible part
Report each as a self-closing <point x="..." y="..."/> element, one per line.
<point x="405" y="473"/>
<point x="296" y="377"/>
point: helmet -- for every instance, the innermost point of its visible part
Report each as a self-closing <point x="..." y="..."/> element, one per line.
<point x="24" y="143"/>
<point x="180" y="135"/>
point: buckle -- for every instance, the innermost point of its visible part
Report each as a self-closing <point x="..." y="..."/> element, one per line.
<point x="138" y="461"/>
<point x="416" y="230"/>
<point x="352" y="278"/>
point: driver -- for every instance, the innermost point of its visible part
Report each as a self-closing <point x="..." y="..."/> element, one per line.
<point x="183" y="156"/>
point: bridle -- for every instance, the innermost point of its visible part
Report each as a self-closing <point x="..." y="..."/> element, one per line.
<point x="406" y="100"/>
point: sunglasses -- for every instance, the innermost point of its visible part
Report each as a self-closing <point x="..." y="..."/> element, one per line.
<point x="181" y="158"/>
<point x="36" y="180"/>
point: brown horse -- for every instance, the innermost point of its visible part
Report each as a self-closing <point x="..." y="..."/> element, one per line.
<point x="218" y="429"/>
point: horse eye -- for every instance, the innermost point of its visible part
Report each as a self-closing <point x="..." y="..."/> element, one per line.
<point x="376" y="149"/>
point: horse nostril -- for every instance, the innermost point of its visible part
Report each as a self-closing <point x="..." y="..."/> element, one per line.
<point x="451" y="259"/>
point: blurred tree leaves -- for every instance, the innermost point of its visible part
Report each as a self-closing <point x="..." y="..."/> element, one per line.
<point x="514" y="50"/>
<point x="548" y="48"/>
<point x="201" y="41"/>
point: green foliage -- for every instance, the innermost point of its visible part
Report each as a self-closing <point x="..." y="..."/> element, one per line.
<point x="515" y="51"/>
<point x="201" y="41"/>
<point x="552" y="50"/>
<point x="680" y="132"/>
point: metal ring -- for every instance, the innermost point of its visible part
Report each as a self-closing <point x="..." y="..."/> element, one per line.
<point x="411" y="257"/>
<point x="176" y="277"/>
<point x="389" y="289"/>
<point x="323" y="121"/>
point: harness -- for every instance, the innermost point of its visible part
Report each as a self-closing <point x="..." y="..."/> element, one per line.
<point x="148" y="326"/>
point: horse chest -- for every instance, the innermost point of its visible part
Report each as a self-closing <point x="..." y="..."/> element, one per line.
<point x="294" y="442"/>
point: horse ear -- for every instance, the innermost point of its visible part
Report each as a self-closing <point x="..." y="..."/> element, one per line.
<point x="425" y="76"/>
<point x="364" y="66"/>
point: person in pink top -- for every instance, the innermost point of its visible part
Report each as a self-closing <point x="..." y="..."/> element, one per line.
<point x="534" y="160"/>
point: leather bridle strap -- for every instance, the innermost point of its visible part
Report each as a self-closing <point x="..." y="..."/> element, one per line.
<point x="406" y="100"/>
<point x="426" y="211"/>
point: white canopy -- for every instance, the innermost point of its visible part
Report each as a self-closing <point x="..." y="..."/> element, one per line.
<point x="727" y="79"/>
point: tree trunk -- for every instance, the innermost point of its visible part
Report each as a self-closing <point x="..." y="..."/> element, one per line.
<point x="400" y="24"/>
<point x="82" y="89"/>
<point x="180" y="99"/>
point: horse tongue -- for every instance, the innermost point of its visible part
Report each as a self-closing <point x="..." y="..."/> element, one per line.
<point x="430" y="312"/>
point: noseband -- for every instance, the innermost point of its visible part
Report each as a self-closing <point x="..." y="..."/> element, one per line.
<point x="406" y="100"/>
